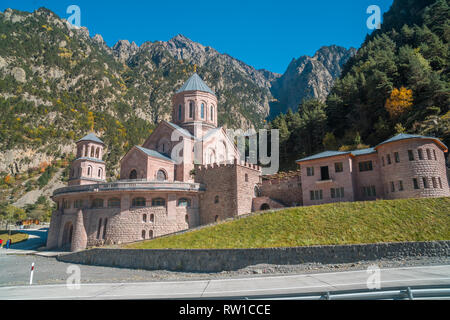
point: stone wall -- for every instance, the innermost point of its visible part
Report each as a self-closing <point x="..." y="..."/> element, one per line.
<point x="287" y="190"/>
<point x="215" y="260"/>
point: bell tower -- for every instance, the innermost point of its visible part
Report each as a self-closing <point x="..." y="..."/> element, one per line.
<point x="193" y="104"/>
<point x="88" y="167"/>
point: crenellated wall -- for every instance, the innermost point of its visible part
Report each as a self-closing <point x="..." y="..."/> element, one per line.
<point x="230" y="189"/>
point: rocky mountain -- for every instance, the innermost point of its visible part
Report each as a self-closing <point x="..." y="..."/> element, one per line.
<point x="309" y="77"/>
<point x="57" y="82"/>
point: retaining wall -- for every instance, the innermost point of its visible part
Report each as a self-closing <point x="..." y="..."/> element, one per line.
<point x="217" y="260"/>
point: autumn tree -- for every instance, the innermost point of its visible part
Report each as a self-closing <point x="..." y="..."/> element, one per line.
<point x="400" y="101"/>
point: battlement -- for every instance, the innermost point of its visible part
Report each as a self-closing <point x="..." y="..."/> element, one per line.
<point x="229" y="164"/>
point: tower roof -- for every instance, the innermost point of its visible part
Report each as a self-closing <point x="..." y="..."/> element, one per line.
<point x="195" y="83"/>
<point x="91" y="137"/>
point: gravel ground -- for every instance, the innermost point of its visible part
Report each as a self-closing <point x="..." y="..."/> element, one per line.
<point x="15" y="270"/>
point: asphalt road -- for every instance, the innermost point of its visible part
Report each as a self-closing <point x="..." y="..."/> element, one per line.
<point x="242" y="287"/>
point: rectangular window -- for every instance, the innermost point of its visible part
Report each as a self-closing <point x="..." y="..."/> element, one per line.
<point x="316" y="195"/>
<point x="339" y="167"/>
<point x="420" y="154"/>
<point x="434" y="152"/>
<point x="440" y="182"/>
<point x="429" y="154"/>
<point x="425" y="182"/>
<point x="411" y="155"/>
<point x="389" y="159"/>
<point x="310" y="171"/>
<point x="365" y="166"/>
<point x="416" y="184"/>
<point x="400" y="186"/>
<point x="325" y="173"/>
<point x="434" y="182"/>
<point x="337" y="193"/>
<point x="311" y="193"/>
<point x="392" y="187"/>
<point x="369" y="191"/>
<point x="78" y="204"/>
<point x="397" y="157"/>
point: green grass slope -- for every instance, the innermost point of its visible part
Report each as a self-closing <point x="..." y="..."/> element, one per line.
<point x="332" y="224"/>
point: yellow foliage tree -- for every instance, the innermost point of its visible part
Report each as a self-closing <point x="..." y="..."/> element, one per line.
<point x="400" y="101"/>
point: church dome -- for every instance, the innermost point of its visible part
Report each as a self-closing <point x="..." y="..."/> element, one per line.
<point x="195" y="83"/>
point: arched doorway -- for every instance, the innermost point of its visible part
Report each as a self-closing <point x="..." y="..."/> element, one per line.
<point x="265" y="207"/>
<point x="67" y="234"/>
<point x="133" y="175"/>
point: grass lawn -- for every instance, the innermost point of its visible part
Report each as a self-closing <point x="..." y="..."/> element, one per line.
<point x="16" y="236"/>
<point x="331" y="224"/>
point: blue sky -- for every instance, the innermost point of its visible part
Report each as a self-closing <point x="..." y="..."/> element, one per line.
<point x="264" y="34"/>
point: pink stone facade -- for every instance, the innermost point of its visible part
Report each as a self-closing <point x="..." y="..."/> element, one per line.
<point x="405" y="167"/>
<point x="188" y="173"/>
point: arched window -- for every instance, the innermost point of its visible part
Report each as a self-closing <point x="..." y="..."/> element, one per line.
<point x="246" y="177"/>
<point x="97" y="203"/>
<point x="144" y="218"/>
<point x="186" y="218"/>
<point x="114" y="203"/>
<point x="133" y="175"/>
<point x="86" y="151"/>
<point x="212" y="113"/>
<point x="99" y="228"/>
<point x="97" y="153"/>
<point x="138" y="202"/>
<point x="104" y="228"/>
<point x="202" y="111"/>
<point x="152" y="218"/>
<point x="150" y="234"/>
<point x="92" y="151"/>
<point x="257" y="193"/>
<point x="158" y="202"/>
<point x="183" y="202"/>
<point x="265" y="207"/>
<point x="100" y="171"/>
<point x="179" y="112"/>
<point x="143" y="234"/>
<point x="161" y="175"/>
<point x="216" y="199"/>
<point x="191" y="110"/>
<point x="89" y="171"/>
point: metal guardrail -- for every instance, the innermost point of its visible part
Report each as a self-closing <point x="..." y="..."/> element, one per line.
<point x="390" y="294"/>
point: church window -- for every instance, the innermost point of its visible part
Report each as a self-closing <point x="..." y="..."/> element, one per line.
<point x="202" y="111"/>
<point x="161" y="176"/>
<point x="100" y="173"/>
<point x="97" y="153"/>
<point x="144" y="218"/>
<point x="179" y="112"/>
<point x="114" y="203"/>
<point x="191" y="110"/>
<point x="183" y="202"/>
<point x="143" y="234"/>
<point x="92" y="152"/>
<point x="104" y="228"/>
<point x="158" y="202"/>
<point x="212" y="113"/>
<point x="216" y="199"/>
<point x="133" y="175"/>
<point x="138" y="202"/>
<point x="152" y="218"/>
<point x="150" y="234"/>
<point x="97" y="203"/>
<point x="89" y="171"/>
<point x="99" y="228"/>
